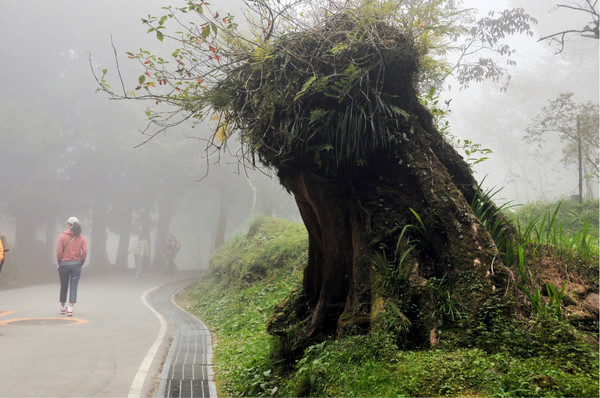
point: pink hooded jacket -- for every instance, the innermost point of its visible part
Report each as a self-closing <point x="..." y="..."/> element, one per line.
<point x="77" y="250"/>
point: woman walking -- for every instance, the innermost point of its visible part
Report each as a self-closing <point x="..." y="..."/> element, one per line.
<point x="71" y="252"/>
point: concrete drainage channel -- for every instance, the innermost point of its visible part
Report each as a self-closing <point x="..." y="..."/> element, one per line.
<point x="187" y="371"/>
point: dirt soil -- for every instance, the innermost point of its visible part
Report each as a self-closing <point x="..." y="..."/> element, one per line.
<point x="580" y="299"/>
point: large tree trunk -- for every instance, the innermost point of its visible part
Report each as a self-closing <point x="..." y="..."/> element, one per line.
<point x="354" y="224"/>
<point x="165" y="211"/>
<point x="98" y="255"/>
<point x="28" y="253"/>
<point x="124" y="227"/>
<point x="51" y="237"/>
<point x="394" y="245"/>
<point x="224" y="199"/>
<point x="330" y="255"/>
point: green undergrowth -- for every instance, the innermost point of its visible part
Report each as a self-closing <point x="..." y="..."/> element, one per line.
<point x="563" y="231"/>
<point x="251" y="273"/>
<point x="571" y="216"/>
<point x="371" y="366"/>
<point x="246" y="278"/>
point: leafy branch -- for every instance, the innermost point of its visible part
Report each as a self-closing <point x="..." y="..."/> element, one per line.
<point x="193" y="82"/>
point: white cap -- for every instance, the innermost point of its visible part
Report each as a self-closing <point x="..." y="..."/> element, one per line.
<point x="73" y="220"/>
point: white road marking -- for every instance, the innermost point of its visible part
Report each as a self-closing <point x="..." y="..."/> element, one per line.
<point x="135" y="391"/>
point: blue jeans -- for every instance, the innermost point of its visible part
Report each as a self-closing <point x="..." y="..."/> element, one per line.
<point x="69" y="275"/>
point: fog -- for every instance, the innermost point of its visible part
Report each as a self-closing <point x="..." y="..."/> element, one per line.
<point x="498" y="120"/>
<point x="67" y="150"/>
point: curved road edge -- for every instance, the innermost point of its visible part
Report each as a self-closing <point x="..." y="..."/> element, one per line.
<point x="137" y="386"/>
<point x="209" y="348"/>
<point x="183" y="342"/>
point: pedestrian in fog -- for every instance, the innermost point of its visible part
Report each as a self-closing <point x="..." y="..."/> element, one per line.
<point x="3" y="250"/>
<point x="71" y="252"/>
<point x="141" y="253"/>
<point x="171" y="249"/>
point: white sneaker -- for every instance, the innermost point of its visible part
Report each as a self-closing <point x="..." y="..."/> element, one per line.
<point x="70" y="311"/>
<point x="63" y="309"/>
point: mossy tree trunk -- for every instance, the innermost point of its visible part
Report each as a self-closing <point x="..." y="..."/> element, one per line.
<point x="394" y="245"/>
<point x="355" y="282"/>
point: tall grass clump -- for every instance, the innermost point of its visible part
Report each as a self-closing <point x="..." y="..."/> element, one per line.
<point x="569" y="229"/>
<point x="492" y="218"/>
<point x="562" y="230"/>
<point x="556" y="233"/>
<point x="571" y="215"/>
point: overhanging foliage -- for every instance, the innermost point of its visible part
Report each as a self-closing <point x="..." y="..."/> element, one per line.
<point x="333" y="95"/>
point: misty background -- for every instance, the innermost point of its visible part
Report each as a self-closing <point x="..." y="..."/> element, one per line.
<point x="66" y="150"/>
<point x="498" y="120"/>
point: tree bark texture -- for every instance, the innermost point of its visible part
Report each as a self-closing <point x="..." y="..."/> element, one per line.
<point x="354" y="223"/>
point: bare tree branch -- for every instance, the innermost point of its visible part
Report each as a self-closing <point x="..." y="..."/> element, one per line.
<point x="590" y="30"/>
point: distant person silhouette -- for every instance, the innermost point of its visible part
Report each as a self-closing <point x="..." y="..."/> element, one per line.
<point x="71" y="252"/>
<point x="3" y="250"/>
<point x="141" y="253"/>
<point x="171" y="249"/>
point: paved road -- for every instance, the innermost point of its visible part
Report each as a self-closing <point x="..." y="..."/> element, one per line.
<point x="113" y="346"/>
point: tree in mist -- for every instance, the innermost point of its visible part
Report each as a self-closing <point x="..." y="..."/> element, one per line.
<point x="470" y="48"/>
<point x="577" y="126"/>
<point x="40" y="147"/>
<point x="61" y="163"/>
<point x="160" y="176"/>
<point x="25" y="156"/>
<point x="483" y="53"/>
<point x="588" y="8"/>
<point x="67" y="152"/>
<point x="334" y="110"/>
<point x="332" y="107"/>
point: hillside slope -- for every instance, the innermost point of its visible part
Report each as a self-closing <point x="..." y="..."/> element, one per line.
<point x="250" y="274"/>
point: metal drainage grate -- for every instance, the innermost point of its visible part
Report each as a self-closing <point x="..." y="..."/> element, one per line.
<point x="187" y="371"/>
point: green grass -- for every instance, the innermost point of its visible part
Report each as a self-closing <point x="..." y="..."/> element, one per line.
<point x="363" y="366"/>
<point x="247" y="277"/>
<point x="250" y="274"/>
<point x="548" y="230"/>
<point x="571" y="215"/>
<point x="566" y="232"/>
